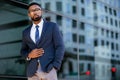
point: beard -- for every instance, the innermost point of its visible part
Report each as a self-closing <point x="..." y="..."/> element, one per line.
<point x="36" y="18"/>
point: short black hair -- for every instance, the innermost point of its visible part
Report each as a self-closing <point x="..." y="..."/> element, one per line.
<point x="34" y="3"/>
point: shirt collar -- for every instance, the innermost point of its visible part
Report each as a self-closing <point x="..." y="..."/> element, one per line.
<point x="39" y="24"/>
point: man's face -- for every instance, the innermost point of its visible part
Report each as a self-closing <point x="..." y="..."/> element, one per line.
<point x="35" y="12"/>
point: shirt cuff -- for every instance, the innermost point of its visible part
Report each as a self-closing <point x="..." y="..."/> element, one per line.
<point x="28" y="59"/>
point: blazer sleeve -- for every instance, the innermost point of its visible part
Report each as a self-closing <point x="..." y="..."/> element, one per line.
<point x="24" y="49"/>
<point x="59" y="47"/>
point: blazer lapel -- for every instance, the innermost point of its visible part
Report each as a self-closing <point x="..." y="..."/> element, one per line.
<point x="43" y="31"/>
<point x="28" y="35"/>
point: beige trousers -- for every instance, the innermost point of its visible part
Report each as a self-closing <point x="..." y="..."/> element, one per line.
<point x="40" y="75"/>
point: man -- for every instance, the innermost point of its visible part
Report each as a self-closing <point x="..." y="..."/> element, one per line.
<point x="42" y="46"/>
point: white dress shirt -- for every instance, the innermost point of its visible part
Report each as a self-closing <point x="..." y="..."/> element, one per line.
<point x="33" y="30"/>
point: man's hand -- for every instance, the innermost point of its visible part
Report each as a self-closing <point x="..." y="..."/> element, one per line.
<point x="36" y="53"/>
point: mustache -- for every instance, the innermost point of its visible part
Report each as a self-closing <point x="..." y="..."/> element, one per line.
<point x="35" y="15"/>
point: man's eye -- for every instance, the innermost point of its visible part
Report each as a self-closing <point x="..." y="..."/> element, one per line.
<point x="35" y="10"/>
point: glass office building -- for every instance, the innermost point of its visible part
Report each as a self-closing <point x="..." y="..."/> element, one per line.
<point x="90" y="29"/>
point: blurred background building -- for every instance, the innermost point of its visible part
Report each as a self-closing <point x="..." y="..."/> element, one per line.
<point x="90" y="29"/>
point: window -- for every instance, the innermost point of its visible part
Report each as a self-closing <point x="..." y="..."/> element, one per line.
<point x="116" y="24"/>
<point x="75" y="49"/>
<point x="102" y="31"/>
<point x="102" y="43"/>
<point x="82" y="11"/>
<point x="81" y="39"/>
<point x="74" y="23"/>
<point x="111" y="21"/>
<point x="70" y="66"/>
<point x="74" y="9"/>
<point x="95" y="31"/>
<point x="95" y="42"/>
<point x="95" y="17"/>
<point x="107" y="43"/>
<point x="116" y="35"/>
<point x="117" y="56"/>
<point x="81" y="67"/>
<point x="103" y="70"/>
<point x="112" y="46"/>
<point x="82" y="1"/>
<point x="107" y="33"/>
<point x="89" y="66"/>
<point x="102" y="18"/>
<point x="117" y="47"/>
<point x="96" y="69"/>
<point x="94" y="6"/>
<point x="112" y="34"/>
<point x="74" y="37"/>
<point x="47" y="6"/>
<point x="106" y="9"/>
<point x="113" y="55"/>
<point x="115" y="13"/>
<point x="59" y="19"/>
<point x="82" y="25"/>
<point x="58" y="6"/>
<point x="106" y="19"/>
<point x="81" y="50"/>
<point x="110" y="11"/>
<point x="108" y="71"/>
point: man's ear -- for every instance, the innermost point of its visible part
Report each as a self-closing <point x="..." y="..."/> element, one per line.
<point x="28" y="14"/>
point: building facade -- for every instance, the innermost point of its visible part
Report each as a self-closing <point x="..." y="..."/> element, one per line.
<point x="91" y="33"/>
<point x="91" y="29"/>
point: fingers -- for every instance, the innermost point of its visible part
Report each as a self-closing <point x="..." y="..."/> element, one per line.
<point x="40" y="51"/>
<point x="36" y="53"/>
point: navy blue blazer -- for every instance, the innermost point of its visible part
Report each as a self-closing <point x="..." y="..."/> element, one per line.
<point x="52" y="43"/>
